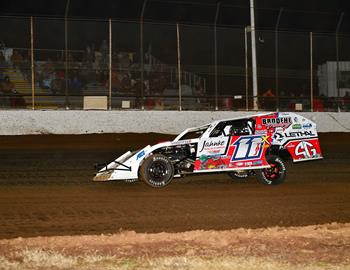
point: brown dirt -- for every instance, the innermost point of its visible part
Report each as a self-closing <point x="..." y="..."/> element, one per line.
<point x="46" y="189"/>
<point x="311" y="247"/>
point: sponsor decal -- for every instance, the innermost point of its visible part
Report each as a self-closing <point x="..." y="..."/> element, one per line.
<point x="246" y="164"/>
<point x="213" y="146"/>
<point x="271" y="129"/>
<point x="248" y="147"/>
<point x="298" y="134"/>
<point x="277" y="122"/>
<point x="265" y="139"/>
<point x="211" y="162"/>
<point x="260" y="132"/>
<point x="296" y="126"/>
<point x="181" y="142"/>
<point x="278" y="137"/>
<point x="258" y="162"/>
<point x="140" y="154"/>
<point x="305" y="150"/>
<point x="307" y="125"/>
<point x="209" y="144"/>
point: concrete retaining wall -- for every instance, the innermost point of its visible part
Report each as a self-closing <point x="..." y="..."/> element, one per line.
<point x="170" y="122"/>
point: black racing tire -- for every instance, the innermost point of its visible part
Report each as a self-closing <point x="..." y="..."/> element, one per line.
<point x="157" y="171"/>
<point x="238" y="177"/>
<point x="276" y="174"/>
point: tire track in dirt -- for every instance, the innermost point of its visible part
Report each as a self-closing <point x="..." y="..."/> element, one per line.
<point x="46" y="189"/>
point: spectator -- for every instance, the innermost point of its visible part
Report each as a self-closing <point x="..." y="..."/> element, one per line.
<point x="25" y="67"/>
<point x="268" y="93"/>
<point x="7" y="52"/>
<point x="346" y="100"/>
<point x="115" y="81"/>
<point x="59" y="59"/>
<point x="104" y="53"/>
<point x="76" y="85"/>
<point x="17" y="100"/>
<point x="98" y="61"/>
<point x="2" y="57"/>
<point x="198" y="91"/>
<point x="318" y="105"/>
<point x="16" y="59"/>
<point x="158" y="104"/>
<point x="89" y="55"/>
<point x="3" y="65"/>
<point x="7" y="86"/>
<point x="57" y="84"/>
<point x="268" y="100"/>
<point x="71" y="58"/>
<point x="47" y="67"/>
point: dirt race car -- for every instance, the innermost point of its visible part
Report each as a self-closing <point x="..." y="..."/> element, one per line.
<point x="255" y="145"/>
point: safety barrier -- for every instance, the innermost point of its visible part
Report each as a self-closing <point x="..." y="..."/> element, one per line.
<point x="24" y="122"/>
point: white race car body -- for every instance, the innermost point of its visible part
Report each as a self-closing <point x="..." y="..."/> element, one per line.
<point x="226" y="145"/>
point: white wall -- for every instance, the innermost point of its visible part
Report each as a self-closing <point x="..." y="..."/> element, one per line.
<point x="170" y="122"/>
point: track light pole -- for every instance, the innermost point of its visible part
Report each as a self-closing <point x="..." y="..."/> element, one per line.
<point x="254" y="68"/>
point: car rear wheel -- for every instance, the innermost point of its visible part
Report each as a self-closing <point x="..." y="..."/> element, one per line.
<point x="157" y="171"/>
<point x="274" y="175"/>
<point x="239" y="176"/>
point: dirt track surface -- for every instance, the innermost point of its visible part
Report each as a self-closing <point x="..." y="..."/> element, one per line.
<point x="46" y="189"/>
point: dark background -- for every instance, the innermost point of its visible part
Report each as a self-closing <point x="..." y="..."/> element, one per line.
<point x="311" y="15"/>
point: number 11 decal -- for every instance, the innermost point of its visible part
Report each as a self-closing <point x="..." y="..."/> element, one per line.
<point x="248" y="148"/>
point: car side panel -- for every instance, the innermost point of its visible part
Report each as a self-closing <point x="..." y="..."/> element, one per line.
<point x="232" y="153"/>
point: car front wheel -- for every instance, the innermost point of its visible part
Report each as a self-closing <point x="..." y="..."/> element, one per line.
<point x="157" y="171"/>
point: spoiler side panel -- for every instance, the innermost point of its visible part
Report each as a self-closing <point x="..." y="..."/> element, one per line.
<point x="304" y="149"/>
<point x="293" y="132"/>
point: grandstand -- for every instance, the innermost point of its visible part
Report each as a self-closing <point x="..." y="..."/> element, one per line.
<point x="139" y="51"/>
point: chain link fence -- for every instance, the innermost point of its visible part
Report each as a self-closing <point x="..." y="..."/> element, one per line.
<point x="57" y="63"/>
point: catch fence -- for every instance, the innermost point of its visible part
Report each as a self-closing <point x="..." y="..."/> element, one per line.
<point x="56" y="63"/>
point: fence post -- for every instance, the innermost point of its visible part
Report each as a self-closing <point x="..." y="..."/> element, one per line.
<point x="66" y="53"/>
<point x="246" y="68"/>
<point x="141" y="55"/>
<point x="179" y="64"/>
<point x="311" y="74"/>
<point x="32" y="61"/>
<point x="254" y="65"/>
<point x="276" y="59"/>
<point x="216" y="56"/>
<point x="110" y="65"/>
<point x="337" y="56"/>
